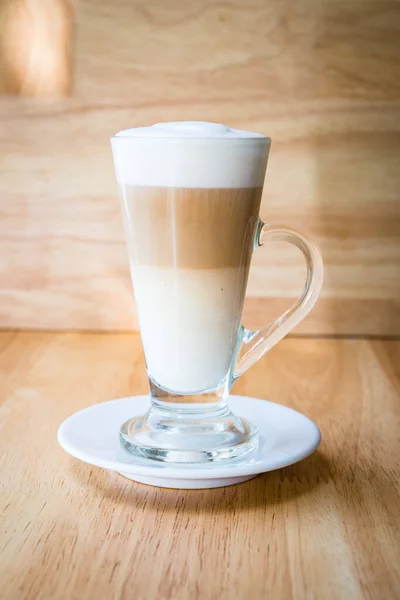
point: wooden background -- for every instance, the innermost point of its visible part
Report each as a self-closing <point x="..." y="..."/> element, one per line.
<point x="322" y="78"/>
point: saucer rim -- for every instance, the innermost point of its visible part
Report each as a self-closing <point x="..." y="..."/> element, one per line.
<point x="213" y="471"/>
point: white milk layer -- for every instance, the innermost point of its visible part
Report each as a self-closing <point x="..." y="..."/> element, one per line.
<point x="190" y="154"/>
<point x="189" y="321"/>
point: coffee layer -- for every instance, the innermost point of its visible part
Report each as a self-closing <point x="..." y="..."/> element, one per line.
<point x="194" y="228"/>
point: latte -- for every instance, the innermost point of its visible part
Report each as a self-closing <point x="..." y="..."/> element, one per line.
<point x="190" y="214"/>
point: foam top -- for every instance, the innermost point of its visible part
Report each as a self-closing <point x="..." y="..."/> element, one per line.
<point x="194" y="129"/>
<point x="190" y="154"/>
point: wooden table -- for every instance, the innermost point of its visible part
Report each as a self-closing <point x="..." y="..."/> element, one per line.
<point x="325" y="528"/>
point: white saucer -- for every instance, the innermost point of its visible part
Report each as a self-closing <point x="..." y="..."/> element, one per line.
<point x="286" y="437"/>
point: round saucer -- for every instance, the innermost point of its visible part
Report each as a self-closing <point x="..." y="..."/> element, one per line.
<point x="286" y="436"/>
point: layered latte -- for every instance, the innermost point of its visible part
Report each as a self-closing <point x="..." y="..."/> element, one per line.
<point x="190" y="220"/>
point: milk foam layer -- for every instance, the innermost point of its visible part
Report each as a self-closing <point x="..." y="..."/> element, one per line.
<point x="190" y="154"/>
<point x="193" y="129"/>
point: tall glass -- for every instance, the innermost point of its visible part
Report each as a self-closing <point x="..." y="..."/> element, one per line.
<point x="190" y="196"/>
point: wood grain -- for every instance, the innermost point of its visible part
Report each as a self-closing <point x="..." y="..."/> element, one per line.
<point x="326" y="528"/>
<point x="36" y="47"/>
<point x="320" y="77"/>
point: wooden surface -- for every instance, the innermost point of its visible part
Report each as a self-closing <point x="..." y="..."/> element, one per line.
<point x="327" y="528"/>
<point x="36" y="47"/>
<point x="321" y="77"/>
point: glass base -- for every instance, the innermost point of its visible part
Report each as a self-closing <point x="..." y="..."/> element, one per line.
<point x="188" y="434"/>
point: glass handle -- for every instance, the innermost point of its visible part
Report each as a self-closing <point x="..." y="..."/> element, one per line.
<point x="254" y="344"/>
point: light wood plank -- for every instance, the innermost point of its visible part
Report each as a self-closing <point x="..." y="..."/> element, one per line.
<point x="321" y="78"/>
<point x="325" y="528"/>
<point x="36" y="47"/>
